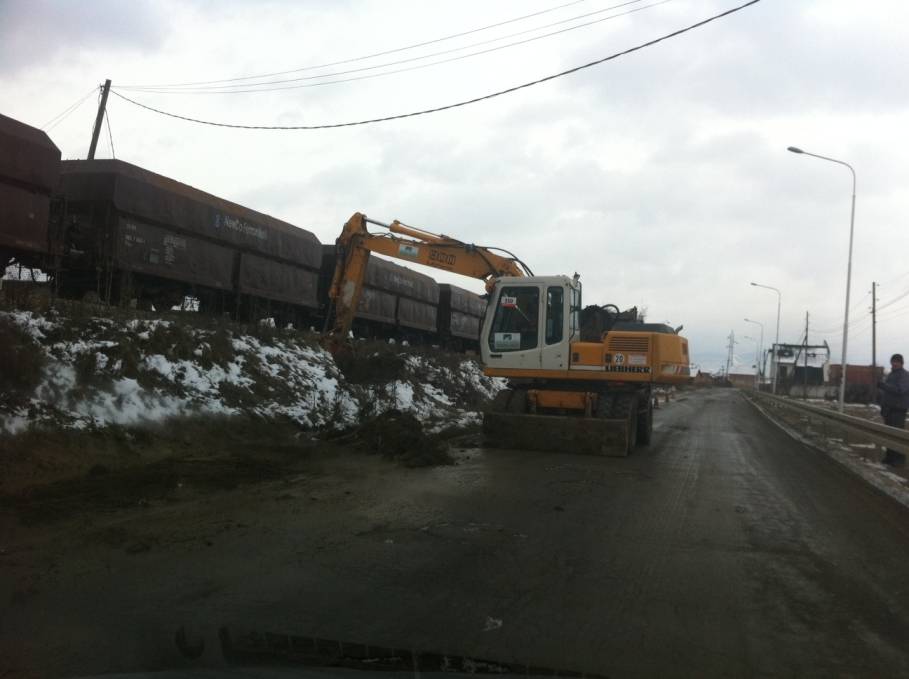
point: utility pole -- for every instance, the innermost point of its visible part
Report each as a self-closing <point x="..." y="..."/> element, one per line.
<point x="805" y="376"/>
<point x="873" y="342"/>
<point x="731" y="350"/>
<point x="873" y="324"/>
<point x="102" y="107"/>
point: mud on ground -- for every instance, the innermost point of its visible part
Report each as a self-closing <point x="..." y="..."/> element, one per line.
<point x="47" y="475"/>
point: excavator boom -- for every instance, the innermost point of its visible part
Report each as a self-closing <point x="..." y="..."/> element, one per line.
<point x="410" y="244"/>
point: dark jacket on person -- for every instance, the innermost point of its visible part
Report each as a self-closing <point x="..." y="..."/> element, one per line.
<point x="895" y="390"/>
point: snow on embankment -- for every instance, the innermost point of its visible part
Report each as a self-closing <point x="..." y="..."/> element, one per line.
<point x="79" y="372"/>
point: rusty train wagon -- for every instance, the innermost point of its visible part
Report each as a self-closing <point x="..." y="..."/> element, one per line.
<point x="135" y="235"/>
<point x="395" y="300"/>
<point x="461" y="314"/>
<point x="29" y="175"/>
<point x="399" y="302"/>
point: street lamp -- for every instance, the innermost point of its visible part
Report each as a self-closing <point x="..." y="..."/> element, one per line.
<point x="795" y="149"/>
<point x="760" y="350"/>
<point x="779" y="301"/>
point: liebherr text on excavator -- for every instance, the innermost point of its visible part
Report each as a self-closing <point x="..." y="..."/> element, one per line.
<point x="579" y="379"/>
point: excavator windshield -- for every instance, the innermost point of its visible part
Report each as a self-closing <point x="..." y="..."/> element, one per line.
<point x="515" y="326"/>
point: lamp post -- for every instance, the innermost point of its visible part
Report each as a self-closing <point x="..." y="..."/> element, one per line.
<point x="795" y="149"/>
<point x="760" y="351"/>
<point x="779" y="302"/>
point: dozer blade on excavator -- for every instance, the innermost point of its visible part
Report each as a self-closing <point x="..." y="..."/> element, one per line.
<point x="558" y="433"/>
<point x="612" y="429"/>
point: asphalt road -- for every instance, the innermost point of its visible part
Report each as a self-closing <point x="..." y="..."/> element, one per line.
<point x="723" y="549"/>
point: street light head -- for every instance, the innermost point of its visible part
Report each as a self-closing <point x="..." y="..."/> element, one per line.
<point x="752" y="283"/>
<point x="795" y="149"/>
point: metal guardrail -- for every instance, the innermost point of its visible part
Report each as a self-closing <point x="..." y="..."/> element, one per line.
<point x="856" y="427"/>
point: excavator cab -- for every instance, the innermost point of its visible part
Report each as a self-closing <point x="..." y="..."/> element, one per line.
<point x="531" y="322"/>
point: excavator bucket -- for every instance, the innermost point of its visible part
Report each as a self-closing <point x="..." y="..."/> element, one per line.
<point x="558" y="433"/>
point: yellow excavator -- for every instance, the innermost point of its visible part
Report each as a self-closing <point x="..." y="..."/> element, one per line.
<point x="579" y="379"/>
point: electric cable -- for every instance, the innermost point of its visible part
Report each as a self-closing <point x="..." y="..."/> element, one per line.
<point x="260" y="86"/>
<point x="110" y="135"/>
<point x="384" y="53"/>
<point x="893" y="301"/>
<point x="446" y="107"/>
<point x="53" y="122"/>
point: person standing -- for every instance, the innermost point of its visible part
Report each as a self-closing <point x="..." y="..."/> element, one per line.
<point x="894" y="403"/>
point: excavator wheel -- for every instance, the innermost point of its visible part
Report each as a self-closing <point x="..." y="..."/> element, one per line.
<point x="625" y="409"/>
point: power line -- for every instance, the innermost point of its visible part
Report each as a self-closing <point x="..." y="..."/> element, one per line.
<point x="260" y="86"/>
<point x="384" y="53"/>
<point x="446" y="107"/>
<point x="852" y="310"/>
<point x="896" y="299"/>
<point x="853" y="324"/>
<point x="865" y="318"/>
<point x="57" y="119"/>
<point x="110" y="135"/>
<point x="896" y="311"/>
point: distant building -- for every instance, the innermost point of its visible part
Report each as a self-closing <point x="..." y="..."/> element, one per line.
<point x="861" y="381"/>
<point x="800" y="366"/>
<point x="856" y="374"/>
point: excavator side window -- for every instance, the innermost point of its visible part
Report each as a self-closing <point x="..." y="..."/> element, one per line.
<point x="516" y="321"/>
<point x="555" y="313"/>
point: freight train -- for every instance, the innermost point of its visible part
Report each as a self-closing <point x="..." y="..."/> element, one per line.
<point x="117" y="233"/>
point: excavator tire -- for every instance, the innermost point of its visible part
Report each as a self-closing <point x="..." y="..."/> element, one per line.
<point x="507" y="425"/>
<point x="625" y="410"/>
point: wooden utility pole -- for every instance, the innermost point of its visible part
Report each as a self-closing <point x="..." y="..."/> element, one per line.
<point x="102" y="107"/>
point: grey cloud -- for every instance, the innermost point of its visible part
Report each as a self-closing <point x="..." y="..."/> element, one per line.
<point x="773" y="58"/>
<point x="37" y="31"/>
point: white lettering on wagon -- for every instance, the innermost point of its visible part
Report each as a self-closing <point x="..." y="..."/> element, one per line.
<point x="237" y="225"/>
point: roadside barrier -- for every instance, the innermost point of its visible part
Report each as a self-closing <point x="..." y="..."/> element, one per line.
<point x="852" y="429"/>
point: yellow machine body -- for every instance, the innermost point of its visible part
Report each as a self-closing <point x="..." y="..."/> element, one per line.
<point x="564" y="393"/>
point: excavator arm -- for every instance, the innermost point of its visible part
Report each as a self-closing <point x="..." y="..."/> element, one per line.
<point x="407" y="243"/>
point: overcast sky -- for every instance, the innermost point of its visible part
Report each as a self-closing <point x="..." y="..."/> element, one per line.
<point x="661" y="177"/>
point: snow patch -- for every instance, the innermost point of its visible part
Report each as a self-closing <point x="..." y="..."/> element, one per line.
<point x="106" y="374"/>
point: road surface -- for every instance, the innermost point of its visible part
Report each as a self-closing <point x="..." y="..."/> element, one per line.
<point x="724" y="549"/>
